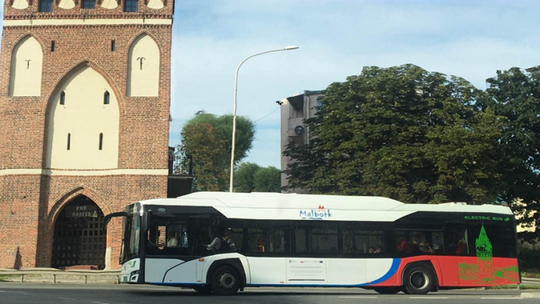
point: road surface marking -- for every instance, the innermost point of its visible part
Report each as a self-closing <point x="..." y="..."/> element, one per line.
<point x="500" y="298"/>
<point x="358" y="297"/>
<point x="428" y="298"/>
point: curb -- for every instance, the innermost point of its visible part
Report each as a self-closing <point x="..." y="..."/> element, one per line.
<point x="56" y="276"/>
<point x="530" y="295"/>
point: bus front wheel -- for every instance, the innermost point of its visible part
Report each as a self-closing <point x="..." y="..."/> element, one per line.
<point x="225" y="281"/>
<point x="419" y="279"/>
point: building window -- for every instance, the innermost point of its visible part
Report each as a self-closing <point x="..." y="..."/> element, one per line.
<point x="101" y="141"/>
<point x="45" y="6"/>
<point x="52" y="46"/>
<point x="113" y="45"/>
<point x="130" y="5"/>
<point x="63" y="98"/>
<point x="69" y="141"/>
<point x="106" y="97"/>
<point x="88" y="3"/>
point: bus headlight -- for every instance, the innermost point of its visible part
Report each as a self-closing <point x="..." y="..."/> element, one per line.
<point x="134" y="276"/>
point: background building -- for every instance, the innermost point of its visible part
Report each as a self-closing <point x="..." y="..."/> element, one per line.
<point x="294" y="110"/>
<point x="84" y="120"/>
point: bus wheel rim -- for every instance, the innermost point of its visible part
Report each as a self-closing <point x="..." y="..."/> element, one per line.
<point x="227" y="280"/>
<point x="419" y="280"/>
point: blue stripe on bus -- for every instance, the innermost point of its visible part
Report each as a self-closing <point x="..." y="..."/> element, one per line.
<point x="176" y="284"/>
<point x="393" y="269"/>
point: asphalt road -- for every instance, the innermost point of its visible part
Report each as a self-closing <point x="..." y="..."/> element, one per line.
<point x="15" y="293"/>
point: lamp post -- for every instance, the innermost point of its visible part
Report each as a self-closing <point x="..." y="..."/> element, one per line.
<point x="287" y="48"/>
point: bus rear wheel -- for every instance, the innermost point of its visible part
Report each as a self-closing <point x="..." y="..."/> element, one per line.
<point x="387" y="290"/>
<point x="225" y="281"/>
<point x="204" y="289"/>
<point x="419" y="279"/>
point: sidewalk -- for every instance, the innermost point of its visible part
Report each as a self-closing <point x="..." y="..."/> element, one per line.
<point x="55" y="276"/>
<point x="530" y="281"/>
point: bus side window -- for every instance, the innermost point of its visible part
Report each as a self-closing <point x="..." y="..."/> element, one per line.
<point x="278" y="240"/>
<point x="256" y="240"/>
<point x="363" y="242"/>
<point x="300" y="243"/>
<point x="324" y="238"/>
<point x="437" y="240"/>
<point x="456" y="239"/>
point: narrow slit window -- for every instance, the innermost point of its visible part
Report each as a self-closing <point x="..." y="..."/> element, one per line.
<point x="52" y="45"/>
<point x="101" y="141"/>
<point x="63" y="98"/>
<point x="113" y="45"/>
<point x="106" y="97"/>
<point x="69" y="141"/>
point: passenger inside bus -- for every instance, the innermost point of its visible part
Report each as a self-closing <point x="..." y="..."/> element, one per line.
<point x="215" y="245"/>
<point x="229" y="235"/>
<point x="172" y="242"/>
<point x="404" y="247"/>
<point x="458" y="246"/>
<point x="425" y="247"/>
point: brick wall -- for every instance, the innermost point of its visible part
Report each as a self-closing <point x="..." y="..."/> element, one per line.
<point x="30" y="202"/>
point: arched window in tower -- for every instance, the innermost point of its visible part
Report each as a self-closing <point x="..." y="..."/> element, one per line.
<point x="66" y="4"/>
<point x="100" y="141"/>
<point x="155" y="4"/>
<point x="131" y="5"/>
<point x="143" y="68"/>
<point x="69" y="141"/>
<point x="26" y="66"/>
<point x="86" y="119"/>
<point x="106" y="97"/>
<point x="19" y="4"/>
<point x="63" y="98"/>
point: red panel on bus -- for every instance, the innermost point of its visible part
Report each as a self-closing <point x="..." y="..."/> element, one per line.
<point x="460" y="271"/>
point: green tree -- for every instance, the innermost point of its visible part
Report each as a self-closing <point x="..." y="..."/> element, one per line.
<point x="515" y="95"/>
<point x="244" y="177"/>
<point x="400" y="132"/>
<point x="206" y="140"/>
<point x="268" y="180"/>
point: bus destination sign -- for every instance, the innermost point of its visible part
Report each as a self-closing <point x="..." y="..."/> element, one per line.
<point x="486" y="218"/>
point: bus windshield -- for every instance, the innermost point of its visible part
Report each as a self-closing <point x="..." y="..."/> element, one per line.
<point x="132" y="228"/>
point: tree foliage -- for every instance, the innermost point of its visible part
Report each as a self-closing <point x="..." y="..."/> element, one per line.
<point x="268" y="180"/>
<point x="251" y="177"/>
<point x="400" y="132"/>
<point x="206" y="141"/>
<point x="244" y="177"/>
<point x="515" y="95"/>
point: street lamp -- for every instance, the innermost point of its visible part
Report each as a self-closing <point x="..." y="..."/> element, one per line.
<point x="287" y="48"/>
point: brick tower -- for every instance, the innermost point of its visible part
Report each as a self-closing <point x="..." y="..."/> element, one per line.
<point x="84" y="120"/>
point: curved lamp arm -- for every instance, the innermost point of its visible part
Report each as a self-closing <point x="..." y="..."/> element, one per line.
<point x="287" y="48"/>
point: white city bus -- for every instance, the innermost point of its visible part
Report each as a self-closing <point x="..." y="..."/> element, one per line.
<point x="316" y="240"/>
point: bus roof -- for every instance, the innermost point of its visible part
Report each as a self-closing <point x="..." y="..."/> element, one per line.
<point x="278" y="206"/>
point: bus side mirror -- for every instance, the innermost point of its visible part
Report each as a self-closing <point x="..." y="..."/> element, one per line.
<point x="108" y="218"/>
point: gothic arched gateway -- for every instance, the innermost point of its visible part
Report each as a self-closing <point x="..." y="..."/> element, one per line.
<point x="78" y="236"/>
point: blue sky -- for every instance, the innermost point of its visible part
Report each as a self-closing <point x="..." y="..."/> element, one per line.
<point x="471" y="39"/>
